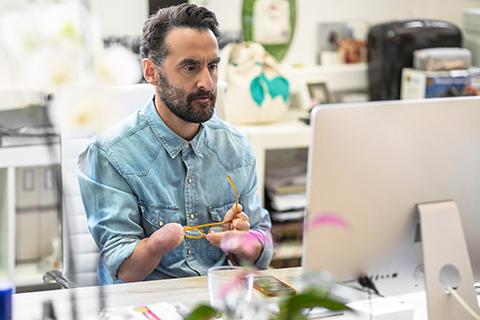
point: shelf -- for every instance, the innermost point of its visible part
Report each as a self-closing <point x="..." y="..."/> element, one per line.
<point x="280" y="135"/>
<point x="288" y="250"/>
<point x="24" y="156"/>
<point x="16" y="96"/>
<point x="27" y="274"/>
<point x="341" y="77"/>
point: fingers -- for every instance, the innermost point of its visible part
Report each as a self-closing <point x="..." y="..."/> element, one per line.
<point x="238" y="217"/>
<point x="242" y="216"/>
<point x="215" y="238"/>
<point x="241" y="222"/>
<point x="232" y="212"/>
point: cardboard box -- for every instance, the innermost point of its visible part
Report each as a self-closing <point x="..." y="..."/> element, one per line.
<point x="418" y="84"/>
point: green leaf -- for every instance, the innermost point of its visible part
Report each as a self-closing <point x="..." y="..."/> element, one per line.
<point x="291" y="308"/>
<point x="257" y="90"/>
<point x="278" y="86"/>
<point x="202" y="312"/>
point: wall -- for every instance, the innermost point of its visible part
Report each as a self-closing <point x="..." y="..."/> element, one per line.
<point x="126" y="17"/>
<point x="311" y="12"/>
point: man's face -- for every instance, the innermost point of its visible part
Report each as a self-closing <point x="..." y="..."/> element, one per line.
<point x="188" y="75"/>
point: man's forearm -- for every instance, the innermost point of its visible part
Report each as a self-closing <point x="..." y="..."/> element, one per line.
<point x="141" y="263"/>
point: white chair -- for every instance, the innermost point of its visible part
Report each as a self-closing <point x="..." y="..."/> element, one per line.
<point x="75" y="234"/>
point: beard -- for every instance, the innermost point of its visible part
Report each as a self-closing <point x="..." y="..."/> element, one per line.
<point x="186" y="106"/>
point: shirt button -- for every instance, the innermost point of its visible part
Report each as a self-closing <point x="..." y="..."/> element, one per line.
<point x="189" y="251"/>
<point x="192" y="216"/>
<point x="189" y="180"/>
<point x="161" y="224"/>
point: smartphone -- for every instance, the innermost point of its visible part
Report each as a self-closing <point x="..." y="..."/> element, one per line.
<point x="272" y="287"/>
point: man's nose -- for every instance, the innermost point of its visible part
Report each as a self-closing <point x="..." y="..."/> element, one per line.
<point x="206" y="81"/>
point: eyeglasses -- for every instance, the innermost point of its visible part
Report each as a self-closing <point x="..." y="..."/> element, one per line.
<point x="197" y="232"/>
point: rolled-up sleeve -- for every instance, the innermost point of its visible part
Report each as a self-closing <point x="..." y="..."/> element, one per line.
<point x="260" y="224"/>
<point x="111" y="207"/>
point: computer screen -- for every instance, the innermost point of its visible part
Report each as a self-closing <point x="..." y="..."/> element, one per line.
<point x="370" y="164"/>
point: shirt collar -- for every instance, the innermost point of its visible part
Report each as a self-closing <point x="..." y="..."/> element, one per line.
<point x="171" y="141"/>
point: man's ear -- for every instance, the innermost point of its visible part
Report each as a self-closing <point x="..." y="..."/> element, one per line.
<point x="150" y="71"/>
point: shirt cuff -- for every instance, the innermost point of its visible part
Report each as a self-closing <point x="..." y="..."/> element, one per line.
<point x="115" y="257"/>
<point x="265" y="238"/>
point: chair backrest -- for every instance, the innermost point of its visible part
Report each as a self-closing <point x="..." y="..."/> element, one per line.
<point x="84" y="251"/>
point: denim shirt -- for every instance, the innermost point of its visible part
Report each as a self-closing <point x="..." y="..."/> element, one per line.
<point x="141" y="175"/>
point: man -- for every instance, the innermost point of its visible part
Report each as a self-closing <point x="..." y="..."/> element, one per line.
<point x="166" y="166"/>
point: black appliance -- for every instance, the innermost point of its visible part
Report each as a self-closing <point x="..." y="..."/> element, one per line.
<point x="391" y="46"/>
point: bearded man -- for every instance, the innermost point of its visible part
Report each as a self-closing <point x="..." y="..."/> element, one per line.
<point x="166" y="166"/>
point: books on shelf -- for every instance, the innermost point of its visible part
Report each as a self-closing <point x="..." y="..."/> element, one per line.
<point x="287" y="198"/>
<point x="285" y="185"/>
<point x="288" y="201"/>
<point x="287" y="216"/>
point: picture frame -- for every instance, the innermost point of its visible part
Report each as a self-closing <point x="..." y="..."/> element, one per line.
<point x="318" y="93"/>
<point x="314" y="92"/>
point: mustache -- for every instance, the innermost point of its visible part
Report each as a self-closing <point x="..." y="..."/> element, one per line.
<point x="201" y="95"/>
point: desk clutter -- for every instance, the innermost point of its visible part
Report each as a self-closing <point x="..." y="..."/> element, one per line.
<point x="440" y="72"/>
<point x="162" y="310"/>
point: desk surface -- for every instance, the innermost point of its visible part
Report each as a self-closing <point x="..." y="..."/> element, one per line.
<point x="188" y="291"/>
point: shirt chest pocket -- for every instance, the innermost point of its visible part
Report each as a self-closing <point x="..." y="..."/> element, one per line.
<point x="156" y="216"/>
<point x="217" y="212"/>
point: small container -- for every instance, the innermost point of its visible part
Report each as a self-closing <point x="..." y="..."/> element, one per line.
<point x="6" y="291"/>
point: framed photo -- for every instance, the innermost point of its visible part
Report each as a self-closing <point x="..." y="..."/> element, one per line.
<point x="318" y="93"/>
<point x="314" y="92"/>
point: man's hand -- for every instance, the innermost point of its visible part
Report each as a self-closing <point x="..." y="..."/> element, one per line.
<point x="239" y="223"/>
<point x="149" y="252"/>
<point x="166" y="238"/>
<point x="235" y="239"/>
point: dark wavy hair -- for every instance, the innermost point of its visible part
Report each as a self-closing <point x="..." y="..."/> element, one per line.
<point x="157" y="26"/>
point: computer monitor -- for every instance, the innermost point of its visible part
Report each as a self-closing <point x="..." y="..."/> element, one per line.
<point x="371" y="164"/>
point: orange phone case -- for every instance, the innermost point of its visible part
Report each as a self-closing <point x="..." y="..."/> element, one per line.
<point x="272" y="287"/>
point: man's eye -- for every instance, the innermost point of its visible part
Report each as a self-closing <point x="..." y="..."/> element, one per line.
<point x="190" y="68"/>
<point x="213" y="67"/>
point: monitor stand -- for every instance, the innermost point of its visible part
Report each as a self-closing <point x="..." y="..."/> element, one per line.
<point x="446" y="261"/>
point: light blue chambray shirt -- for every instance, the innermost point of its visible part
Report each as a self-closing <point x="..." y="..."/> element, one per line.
<point x="141" y="176"/>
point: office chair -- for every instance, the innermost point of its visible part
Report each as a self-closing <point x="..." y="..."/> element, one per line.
<point x="84" y="252"/>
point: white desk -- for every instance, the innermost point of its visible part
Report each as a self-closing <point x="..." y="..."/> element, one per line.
<point x="188" y="291"/>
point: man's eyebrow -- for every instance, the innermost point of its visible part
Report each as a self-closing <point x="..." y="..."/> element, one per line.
<point x="190" y="61"/>
<point x="216" y="60"/>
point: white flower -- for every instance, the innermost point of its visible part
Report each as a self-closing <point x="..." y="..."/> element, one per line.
<point x="46" y="44"/>
<point x="56" y="47"/>
<point x="118" y="65"/>
<point x="84" y="109"/>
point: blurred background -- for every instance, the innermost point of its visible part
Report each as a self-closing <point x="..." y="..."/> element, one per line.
<point x="55" y="56"/>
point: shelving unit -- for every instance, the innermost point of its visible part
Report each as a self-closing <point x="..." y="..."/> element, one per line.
<point x="10" y="159"/>
<point x="283" y="135"/>
<point x="292" y="134"/>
